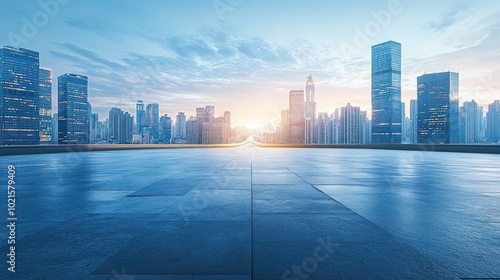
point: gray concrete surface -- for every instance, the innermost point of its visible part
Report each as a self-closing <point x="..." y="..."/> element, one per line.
<point x="254" y="213"/>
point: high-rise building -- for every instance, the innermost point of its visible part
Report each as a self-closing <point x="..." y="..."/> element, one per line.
<point x="215" y="132"/>
<point x="350" y="125"/>
<point x="193" y="128"/>
<point x="165" y="129"/>
<point x="140" y="112"/>
<point x="153" y="120"/>
<point x="438" y="109"/>
<point x="493" y="122"/>
<point x="471" y="122"/>
<point x="321" y="128"/>
<point x="285" y="127"/>
<point x="73" y="109"/>
<point x="227" y="120"/>
<point x="120" y="126"/>
<point x="19" y="100"/>
<point x="55" y="130"/>
<point x="45" y="106"/>
<point x="386" y="93"/>
<point x="94" y="128"/>
<point x="365" y="128"/>
<point x="297" y="117"/>
<point x="413" y="121"/>
<point x="180" y="126"/>
<point x="403" y="126"/>
<point x="310" y="111"/>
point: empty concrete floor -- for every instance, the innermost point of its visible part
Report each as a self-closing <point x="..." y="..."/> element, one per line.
<point x="255" y="213"/>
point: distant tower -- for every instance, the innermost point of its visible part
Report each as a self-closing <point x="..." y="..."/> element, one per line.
<point x="19" y="102"/>
<point x="438" y="110"/>
<point x="297" y="120"/>
<point x="153" y="120"/>
<point x="310" y="111"/>
<point x="140" y="115"/>
<point x="180" y="126"/>
<point x="350" y="125"/>
<point x="45" y="108"/>
<point x="386" y="93"/>
<point x="73" y="109"/>
<point x="493" y="121"/>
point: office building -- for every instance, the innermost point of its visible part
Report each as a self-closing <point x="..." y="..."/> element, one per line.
<point x="73" y="109"/>
<point x="19" y="97"/>
<point x="285" y="127"/>
<point x="310" y="111"/>
<point x="120" y="126"/>
<point x="386" y="93"/>
<point x="297" y="119"/>
<point x="45" y="106"/>
<point x="141" y="120"/>
<point x="180" y="126"/>
<point x="471" y="119"/>
<point x="153" y="121"/>
<point x="413" y="131"/>
<point x="493" y="122"/>
<point x="350" y="125"/>
<point x="438" y="109"/>
<point x="165" y="129"/>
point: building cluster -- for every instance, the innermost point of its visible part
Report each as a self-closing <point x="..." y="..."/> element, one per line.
<point x="26" y="116"/>
<point x="436" y="116"/>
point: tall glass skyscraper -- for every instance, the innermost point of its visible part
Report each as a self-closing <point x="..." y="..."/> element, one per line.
<point x="153" y="118"/>
<point x="73" y="109"/>
<point x="45" y="109"/>
<point x="386" y="93"/>
<point x="140" y="115"/>
<point x="310" y="114"/>
<point x="19" y="89"/>
<point x="297" y="117"/>
<point x="438" y="109"/>
<point x="493" y="122"/>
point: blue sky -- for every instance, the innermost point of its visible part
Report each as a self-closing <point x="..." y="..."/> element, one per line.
<point x="245" y="56"/>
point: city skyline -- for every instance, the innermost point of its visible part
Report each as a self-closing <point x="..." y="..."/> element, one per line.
<point x="232" y="64"/>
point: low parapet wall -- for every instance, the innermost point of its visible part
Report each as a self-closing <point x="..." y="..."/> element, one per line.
<point x="22" y="150"/>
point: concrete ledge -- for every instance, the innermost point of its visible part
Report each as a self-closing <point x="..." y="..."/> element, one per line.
<point x="481" y="149"/>
<point x="26" y="150"/>
<point x="48" y="149"/>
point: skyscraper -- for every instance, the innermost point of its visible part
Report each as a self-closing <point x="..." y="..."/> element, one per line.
<point x="94" y="128"/>
<point x="472" y="118"/>
<point x="193" y="131"/>
<point x="310" y="111"/>
<point x="19" y="101"/>
<point x="297" y="117"/>
<point x="350" y="125"/>
<point x="414" y="121"/>
<point x="73" y="109"/>
<point x="55" y="130"/>
<point x="140" y="116"/>
<point x="45" y="106"/>
<point x="215" y="132"/>
<point x="386" y="93"/>
<point x="120" y="126"/>
<point x="493" y="122"/>
<point x="285" y="127"/>
<point x="153" y="120"/>
<point x="180" y="126"/>
<point x="165" y="129"/>
<point x="438" y="110"/>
